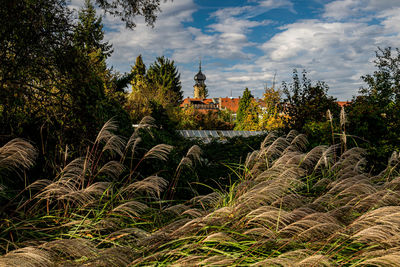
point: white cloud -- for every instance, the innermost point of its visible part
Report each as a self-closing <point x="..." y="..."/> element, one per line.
<point x="273" y="4"/>
<point x="355" y="9"/>
<point x="337" y="48"/>
<point x="336" y="52"/>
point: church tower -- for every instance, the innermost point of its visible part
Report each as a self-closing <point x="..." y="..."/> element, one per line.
<point x="200" y="90"/>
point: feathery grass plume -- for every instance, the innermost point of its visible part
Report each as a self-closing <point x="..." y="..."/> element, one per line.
<point x="329" y="115"/>
<point x="319" y="231"/>
<point x="358" y="189"/>
<point x="111" y="169"/>
<point x="194" y="213"/>
<point x="315" y="260"/>
<point x="76" y="171"/>
<point x="147" y="122"/>
<point x="219" y="237"/>
<point x="218" y="260"/>
<point x="312" y="157"/>
<point x="152" y="186"/>
<point x="380" y="235"/>
<point x="370" y="218"/>
<point x="365" y="202"/>
<point x="70" y="248"/>
<point x="299" y="142"/>
<point x="316" y="223"/>
<point x="194" y="153"/>
<point x="133" y="142"/>
<point x="160" y="152"/>
<point x="343" y="118"/>
<point x="286" y="259"/>
<point x="382" y="230"/>
<point x="274" y="150"/>
<point x="17" y="154"/>
<point x="84" y="196"/>
<point x="338" y="186"/>
<point x="177" y="209"/>
<point x="292" y="158"/>
<point x="115" y="256"/>
<point x="349" y="158"/>
<point x="393" y="184"/>
<point x="269" y="139"/>
<point x="328" y="158"/>
<point x="343" y="136"/>
<point x="185" y="161"/>
<point x="267" y="217"/>
<point x="209" y="201"/>
<point x="128" y="236"/>
<point x="388" y="260"/>
<point x="290" y="201"/>
<point x="251" y="159"/>
<point x="115" y="145"/>
<point x="291" y="135"/>
<point x="27" y="257"/>
<point x="394" y="159"/>
<point x="193" y="226"/>
<point x="132" y="209"/>
<point x="106" y="131"/>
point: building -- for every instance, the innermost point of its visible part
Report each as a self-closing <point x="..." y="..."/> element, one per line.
<point x="203" y="104"/>
<point x="200" y="86"/>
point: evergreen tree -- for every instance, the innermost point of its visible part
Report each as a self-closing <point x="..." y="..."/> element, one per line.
<point x="244" y="105"/>
<point x="163" y="76"/>
<point x="138" y="71"/>
<point x="89" y="34"/>
<point x="138" y="104"/>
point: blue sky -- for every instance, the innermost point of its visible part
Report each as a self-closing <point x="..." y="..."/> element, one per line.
<point x="243" y="43"/>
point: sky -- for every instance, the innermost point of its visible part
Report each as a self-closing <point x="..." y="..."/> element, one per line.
<point x="251" y="43"/>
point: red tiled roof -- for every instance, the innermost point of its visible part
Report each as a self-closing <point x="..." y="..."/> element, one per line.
<point x="231" y="104"/>
<point x="343" y="103"/>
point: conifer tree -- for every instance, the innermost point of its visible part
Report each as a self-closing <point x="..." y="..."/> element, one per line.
<point x="244" y="105"/>
<point x="165" y="79"/>
<point x="89" y="34"/>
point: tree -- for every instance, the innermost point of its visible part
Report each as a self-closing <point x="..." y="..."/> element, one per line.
<point x="163" y="76"/>
<point x="374" y="115"/>
<point x="88" y="33"/>
<point x="384" y="84"/>
<point x="307" y="102"/>
<point x="138" y="101"/>
<point x="127" y="10"/>
<point x="49" y="80"/>
<point x="273" y="117"/>
<point x="244" y="105"/>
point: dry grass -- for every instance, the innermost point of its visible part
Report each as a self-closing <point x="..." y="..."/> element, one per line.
<point x="291" y="208"/>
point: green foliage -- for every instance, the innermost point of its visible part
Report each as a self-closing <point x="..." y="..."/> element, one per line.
<point x="160" y="85"/>
<point x="191" y="119"/>
<point x="163" y="76"/>
<point x="319" y="133"/>
<point x="88" y="33"/>
<point x="244" y="105"/>
<point x="374" y="115"/>
<point x="127" y="10"/>
<point x="307" y="102"/>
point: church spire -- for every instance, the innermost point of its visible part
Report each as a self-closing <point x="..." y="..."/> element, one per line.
<point x="200" y="90"/>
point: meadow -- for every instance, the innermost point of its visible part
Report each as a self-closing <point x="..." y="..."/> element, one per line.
<point x="289" y="206"/>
